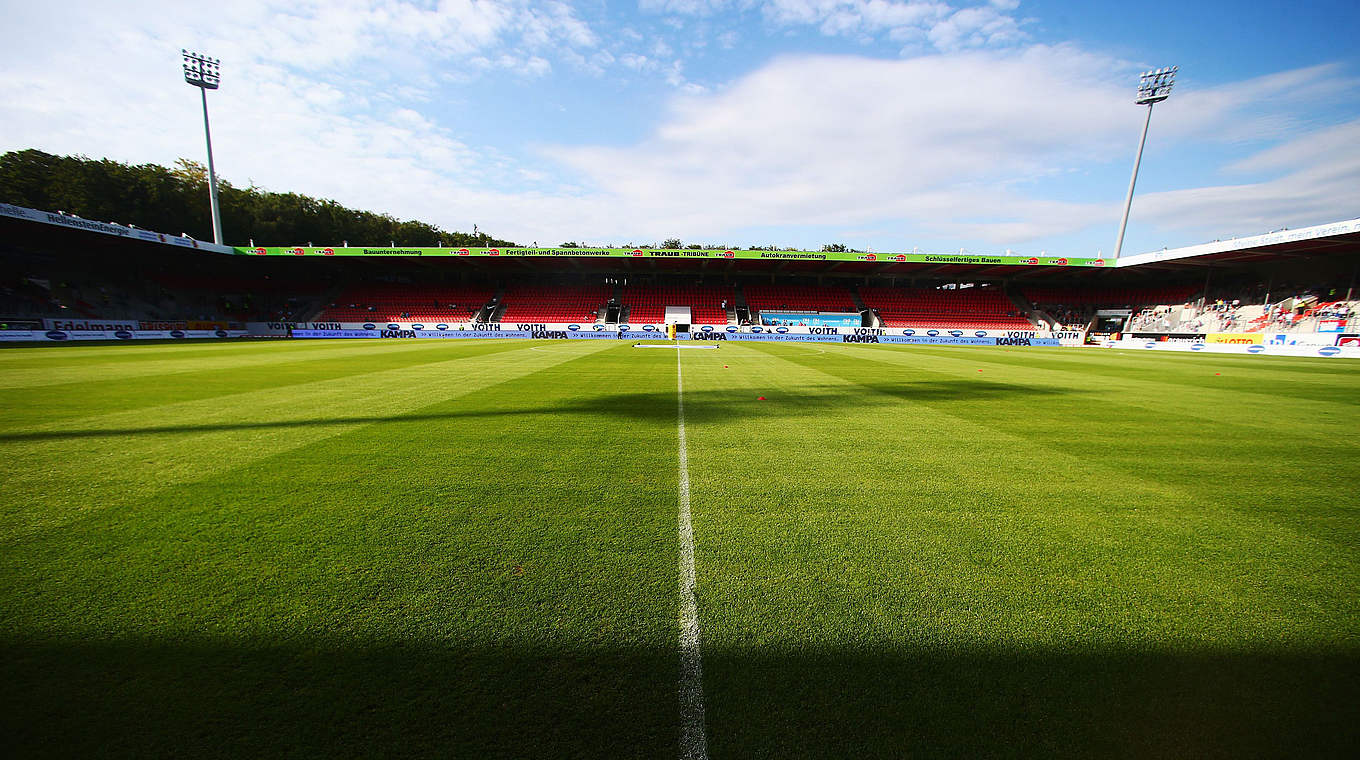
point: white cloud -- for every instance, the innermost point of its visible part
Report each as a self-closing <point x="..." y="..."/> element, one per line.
<point x="636" y="62"/>
<point x="975" y="27"/>
<point x="815" y="140"/>
<point x="1270" y="107"/>
<point x="339" y="84"/>
<point x="848" y="17"/>
<point x="337" y="99"/>
<point x="945" y="26"/>
<point x="953" y="151"/>
<point x="1321" y="172"/>
<point x="685" y="7"/>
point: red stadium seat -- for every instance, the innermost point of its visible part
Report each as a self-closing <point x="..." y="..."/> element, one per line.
<point x="964" y="309"/>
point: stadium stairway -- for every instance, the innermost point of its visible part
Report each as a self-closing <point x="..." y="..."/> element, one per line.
<point x="1041" y="319"/>
<point x="863" y="307"/>
<point x="488" y="313"/>
<point x="859" y="302"/>
<point x="739" y="305"/>
<point x="330" y="295"/>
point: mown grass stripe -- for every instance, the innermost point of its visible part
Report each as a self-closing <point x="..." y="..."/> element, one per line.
<point x="102" y="461"/>
<point x="693" y="741"/>
<point x="1250" y="400"/>
<point x="176" y="360"/>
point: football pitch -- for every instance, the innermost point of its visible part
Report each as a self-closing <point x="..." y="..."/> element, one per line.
<point x="475" y="549"/>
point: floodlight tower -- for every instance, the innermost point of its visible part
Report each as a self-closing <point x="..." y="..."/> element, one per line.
<point x="206" y="74"/>
<point x="1153" y="87"/>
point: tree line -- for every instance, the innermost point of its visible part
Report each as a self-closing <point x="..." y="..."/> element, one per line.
<point x="175" y="200"/>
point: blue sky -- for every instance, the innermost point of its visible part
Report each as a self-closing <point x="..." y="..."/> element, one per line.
<point x="884" y="124"/>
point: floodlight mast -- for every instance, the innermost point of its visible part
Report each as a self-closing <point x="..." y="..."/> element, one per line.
<point x="206" y="74"/>
<point x="1153" y="87"/>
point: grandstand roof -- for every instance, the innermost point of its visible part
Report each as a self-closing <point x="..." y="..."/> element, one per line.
<point x="1319" y="244"/>
<point x="1318" y="240"/>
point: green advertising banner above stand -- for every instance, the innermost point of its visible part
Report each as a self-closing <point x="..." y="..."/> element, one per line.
<point x="668" y="253"/>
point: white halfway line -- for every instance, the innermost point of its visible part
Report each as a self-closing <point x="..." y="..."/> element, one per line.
<point x="668" y="345"/>
<point x="693" y="742"/>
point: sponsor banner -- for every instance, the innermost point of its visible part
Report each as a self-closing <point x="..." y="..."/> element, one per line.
<point x="786" y="337"/>
<point x="102" y="324"/>
<point x="811" y="319"/>
<point x="1172" y="337"/>
<point x="21" y="336"/>
<point x="275" y="329"/>
<point x="60" y="336"/>
<point x="1069" y="337"/>
<point x="949" y="340"/>
<point x="652" y="334"/>
<point x="1239" y="348"/>
<point x="932" y="332"/>
<point x="162" y="334"/>
<point x="1331" y="325"/>
<point x="401" y="333"/>
<point x="1234" y="338"/>
<point x="1300" y="339"/>
<point x="282" y="328"/>
<point x="562" y="326"/>
<point x="472" y="334"/>
<point x="1349" y="340"/>
<point x="669" y="253"/>
<point x="934" y="340"/>
<point x="802" y="330"/>
<point x="1032" y="342"/>
<point x="103" y="228"/>
<point x="305" y="333"/>
<point x="592" y="334"/>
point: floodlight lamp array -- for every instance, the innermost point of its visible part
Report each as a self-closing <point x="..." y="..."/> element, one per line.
<point x="202" y="71"/>
<point x="1155" y="86"/>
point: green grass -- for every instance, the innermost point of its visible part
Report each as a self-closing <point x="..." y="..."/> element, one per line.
<point x="427" y="548"/>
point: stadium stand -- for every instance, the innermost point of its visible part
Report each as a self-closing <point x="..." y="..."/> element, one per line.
<point x="1114" y="297"/>
<point x="799" y="298"/>
<point x="554" y="303"/>
<point x="53" y="289"/>
<point x="235" y="298"/>
<point x="647" y="303"/>
<point x="1075" y="307"/>
<point x="971" y="308"/>
<point x="388" y="302"/>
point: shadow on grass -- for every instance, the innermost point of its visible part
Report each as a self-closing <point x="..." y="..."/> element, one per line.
<point x="181" y="699"/>
<point x="655" y="407"/>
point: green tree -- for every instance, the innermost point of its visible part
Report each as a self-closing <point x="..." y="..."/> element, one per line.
<point x="175" y="200"/>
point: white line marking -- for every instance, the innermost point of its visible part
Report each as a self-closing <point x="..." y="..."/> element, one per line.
<point x="668" y="345"/>
<point x="693" y="742"/>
